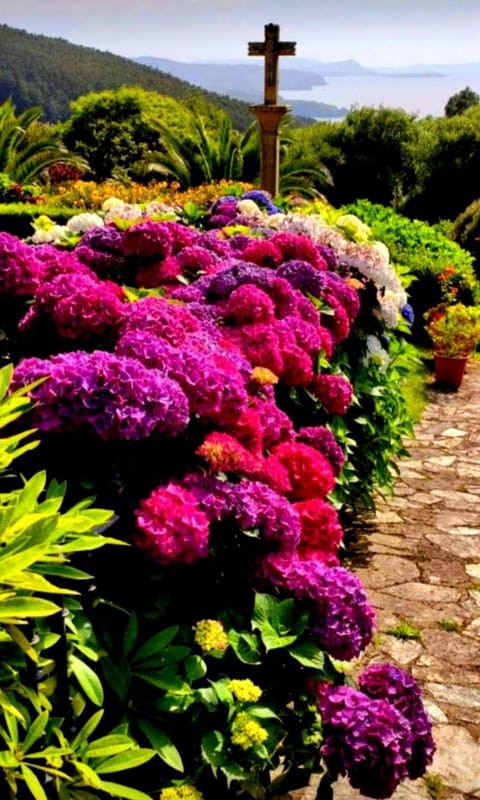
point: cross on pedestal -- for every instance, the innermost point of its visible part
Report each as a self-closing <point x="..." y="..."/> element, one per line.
<point x="270" y="114"/>
<point x="271" y="48"/>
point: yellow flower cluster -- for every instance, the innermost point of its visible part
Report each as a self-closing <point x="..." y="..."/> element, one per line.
<point x="210" y="635"/>
<point x="185" y="792"/>
<point x="91" y="195"/>
<point x="245" y="690"/>
<point x="246" y="732"/>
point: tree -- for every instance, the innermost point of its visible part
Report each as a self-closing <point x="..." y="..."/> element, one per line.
<point x="116" y="130"/>
<point x="374" y="155"/>
<point x="459" y="102"/>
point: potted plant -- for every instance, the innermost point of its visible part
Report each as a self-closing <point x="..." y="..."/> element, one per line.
<point x="454" y="331"/>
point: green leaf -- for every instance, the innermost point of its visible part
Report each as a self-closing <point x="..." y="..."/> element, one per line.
<point x="167" y="679"/>
<point x="35" y="731"/>
<point x="131" y="635"/>
<point x="308" y="654"/>
<point x="127" y="760"/>
<point x="33" y="783"/>
<point x="212" y="749"/>
<point x="23" y="607"/>
<point x="88" y="680"/>
<point x="161" y="658"/>
<point x="279" y="621"/>
<point x="162" y="744"/>
<point x="245" y="646"/>
<point x="117" y="790"/>
<point x="7" y="759"/>
<point x="90" y="726"/>
<point x="155" y="644"/>
<point x="262" y="712"/>
<point x="108" y="746"/>
<point x="195" y="667"/>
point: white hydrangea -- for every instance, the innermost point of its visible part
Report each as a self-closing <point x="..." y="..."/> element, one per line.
<point x="249" y="208"/>
<point x="56" y="234"/>
<point x="123" y="211"/>
<point x="83" y="222"/>
<point x="376" y="353"/>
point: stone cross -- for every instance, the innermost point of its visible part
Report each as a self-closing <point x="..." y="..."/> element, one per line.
<point x="270" y="114"/>
<point x="271" y="48"/>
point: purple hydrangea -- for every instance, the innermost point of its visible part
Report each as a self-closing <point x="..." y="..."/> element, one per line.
<point x="387" y="682"/>
<point x="302" y="275"/>
<point x="212" y="383"/>
<point x="341" y="618"/>
<point x="262" y="199"/>
<point x="211" y="240"/>
<point x="329" y="255"/>
<point x="259" y="506"/>
<point x="367" y="740"/>
<point x="108" y="395"/>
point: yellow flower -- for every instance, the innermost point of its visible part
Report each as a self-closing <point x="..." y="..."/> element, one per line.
<point x="185" y="792"/>
<point x="246" y="732"/>
<point x="210" y="635"/>
<point x="245" y="690"/>
<point x="264" y="376"/>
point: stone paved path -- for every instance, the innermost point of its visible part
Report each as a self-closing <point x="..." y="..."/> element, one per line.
<point x="419" y="559"/>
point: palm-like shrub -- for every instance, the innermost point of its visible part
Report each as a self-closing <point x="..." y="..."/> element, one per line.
<point x="28" y="148"/>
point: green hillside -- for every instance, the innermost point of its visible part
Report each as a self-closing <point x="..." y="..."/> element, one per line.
<point x="44" y="71"/>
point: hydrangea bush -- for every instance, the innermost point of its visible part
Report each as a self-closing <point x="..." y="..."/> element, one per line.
<point x="197" y="381"/>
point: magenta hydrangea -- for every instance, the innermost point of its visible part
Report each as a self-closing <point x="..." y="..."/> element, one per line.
<point x="163" y="318"/>
<point x="388" y="682"/>
<point x="171" y="527"/>
<point x="367" y="740"/>
<point x="341" y="619"/>
<point x="195" y="260"/>
<point x="334" y="392"/>
<point x="263" y="253"/>
<point x="79" y="306"/>
<point x="248" y="304"/>
<point x="103" y="394"/>
<point x="295" y="246"/>
<point x="20" y="271"/>
<point x="148" y="239"/>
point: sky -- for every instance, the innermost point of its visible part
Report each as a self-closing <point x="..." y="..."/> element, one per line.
<point x="374" y="32"/>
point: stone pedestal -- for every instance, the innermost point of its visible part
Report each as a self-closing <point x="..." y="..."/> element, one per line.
<point x="269" y="118"/>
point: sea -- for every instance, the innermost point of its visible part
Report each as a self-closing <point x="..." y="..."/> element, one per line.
<point x="423" y="95"/>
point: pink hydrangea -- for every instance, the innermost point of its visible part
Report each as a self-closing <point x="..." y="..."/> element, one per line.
<point x="171" y="527"/>
<point x="248" y="304"/>
<point x="264" y="253"/>
<point x="321" y="532"/>
<point x="295" y="246"/>
<point x="309" y="472"/>
<point x="148" y="239"/>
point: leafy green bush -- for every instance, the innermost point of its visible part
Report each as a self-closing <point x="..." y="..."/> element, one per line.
<point x="466" y="231"/>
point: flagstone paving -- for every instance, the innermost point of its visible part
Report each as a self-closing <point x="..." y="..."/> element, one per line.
<point x="419" y="560"/>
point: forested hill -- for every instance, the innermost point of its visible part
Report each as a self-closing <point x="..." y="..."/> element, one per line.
<point x="44" y="71"/>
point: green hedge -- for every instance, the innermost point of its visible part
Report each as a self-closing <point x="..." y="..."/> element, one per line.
<point x="17" y="218"/>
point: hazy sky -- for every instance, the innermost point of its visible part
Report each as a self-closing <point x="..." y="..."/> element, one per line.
<point x="375" y="32"/>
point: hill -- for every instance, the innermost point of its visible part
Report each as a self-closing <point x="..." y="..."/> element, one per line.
<point x="49" y="72"/>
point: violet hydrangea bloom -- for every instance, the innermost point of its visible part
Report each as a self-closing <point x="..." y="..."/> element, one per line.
<point x="171" y="528"/>
<point x="103" y="394"/>
<point x="341" y="618"/>
<point x="387" y="682"/>
<point x="368" y="740"/>
<point x="259" y="506"/>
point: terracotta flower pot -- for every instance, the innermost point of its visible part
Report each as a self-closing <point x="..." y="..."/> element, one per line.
<point x="449" y="370"/>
